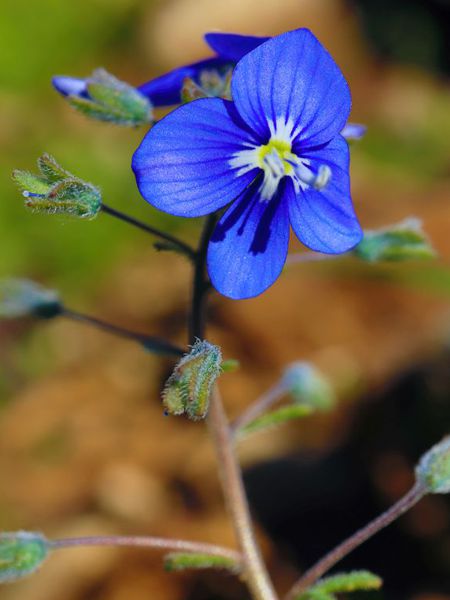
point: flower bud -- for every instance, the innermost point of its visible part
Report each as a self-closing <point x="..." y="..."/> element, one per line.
<point x="105" y="98"/>
<point x="354" y="131"/>
<point x="189" y="387"/>
<point x="402" y="241"/>
<point x="433" y="470"/>
<point x="307" y="385"/>
<point x="21" y="554"/>
<point x="211" y="84"/>
<point x="21" y="297"/>
<point x="56" y="191"/>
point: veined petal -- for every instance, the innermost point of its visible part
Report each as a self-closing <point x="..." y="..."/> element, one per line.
<point x="248" y="248"/>
<point x="70" y="86"/>
<point x="233" y="46"/>
<point x="324" y="220"/>
<point x="166" y="89"/>
<point x="290" y="87"/>
<point x="183" y="165"/>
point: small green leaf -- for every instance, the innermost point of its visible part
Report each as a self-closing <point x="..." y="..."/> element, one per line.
<point x="51" y="170"/>
<point x="275" y="418"/>
<point x="180" y="561"/>
<point x="21" y="554"/>
<point x="343" y="582"/>
<point x="230" y="365"/>
<point x="28" y="182"/>
<point x="403" y="241"/>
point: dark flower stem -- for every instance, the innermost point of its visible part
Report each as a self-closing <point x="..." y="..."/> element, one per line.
<point x="148" y="542"/>
<point x="255" y="573"/>
<point x="150" y="343"/>
<point x="170" y="239"/>
<point x="411" y="498"/>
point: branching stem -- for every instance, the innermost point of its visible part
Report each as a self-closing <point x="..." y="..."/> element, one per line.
<point x="255" y="572"/>
<point x="151" y="343"/>
<point x="172" y="240"/>
<point x="329" y="560"/>
<point x="260" y="406"/>
<point x="148" y="542"/>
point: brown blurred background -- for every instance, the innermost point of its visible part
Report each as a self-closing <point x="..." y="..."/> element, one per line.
<point x="84" y="446"/>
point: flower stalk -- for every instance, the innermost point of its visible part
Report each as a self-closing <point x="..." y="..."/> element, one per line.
<point x="416" y="493"/>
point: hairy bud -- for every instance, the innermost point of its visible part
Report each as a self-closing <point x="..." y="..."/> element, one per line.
<point x="307" y="385"/>
<point x="433" y="470"/>
<point x="189" y="387"/>
<point x="22" y="297"/>
<point x="402" y="241"/>
<point x="105" y="98"/>
<point x="21" y="554"/>
<point x="56" y="191"/>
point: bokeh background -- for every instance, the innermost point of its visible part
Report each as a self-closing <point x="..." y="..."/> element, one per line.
<point x="84" y="446"/>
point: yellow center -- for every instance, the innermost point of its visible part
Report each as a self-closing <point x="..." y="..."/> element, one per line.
<point x="282" y="148"/>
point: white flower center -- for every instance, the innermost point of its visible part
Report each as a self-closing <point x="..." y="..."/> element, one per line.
<point x="277" y="160"/>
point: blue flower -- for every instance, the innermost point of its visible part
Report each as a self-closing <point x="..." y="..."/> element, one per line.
<point x="166" y="89"/>
<point x="275" y="153"/>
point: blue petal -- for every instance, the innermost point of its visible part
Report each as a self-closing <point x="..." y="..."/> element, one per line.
<point x="248" y="248"/>
<point x="324" y="220"/>
<point x="293" y="80"/>
<point x="166" y="89"/>
<point x="354" y="131"/>
<point x="70" y="86"/>
<point x="233" y="46"/>
<point x="182" y="165"/>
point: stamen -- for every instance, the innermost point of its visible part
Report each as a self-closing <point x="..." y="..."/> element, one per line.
<point x="304" y="175"/>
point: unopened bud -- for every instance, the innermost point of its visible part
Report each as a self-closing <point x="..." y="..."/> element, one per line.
<point x="307" y="385"/>
<point x="56" y="191"/>
<point x="433" y="470"/>
<point x="22" y="297"/>
<point x="402" y="241"/>
<point x="21" y="554"/>
<point x="105" y="98"/>
<point x="211" y="84"/>
<point x="189" y="387"/>
<point x="354" y="131"/>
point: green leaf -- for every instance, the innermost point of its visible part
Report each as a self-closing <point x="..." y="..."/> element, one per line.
<point x="343" y="582"/>
<point x="51" y="170"/>
<point x="275" y="418"/>
<point x="28" y="182"/>
<point x="180" y="561"/>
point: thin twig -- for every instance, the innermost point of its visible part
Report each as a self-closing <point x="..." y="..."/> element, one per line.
<point x="329" y="560"/>
<point x="147" y="542"/>
<point x="172" y="240"/>
<point x="261" y="405"/>
<point x="151" y="343"/>
<point x="309" y="257"/>
<point x="255" y="571"/>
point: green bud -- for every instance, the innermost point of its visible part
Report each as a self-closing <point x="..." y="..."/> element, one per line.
<point x="21" y="554"/>
<point x="179" y="561"/>
<point x="433" y="470"/>
<point x="22" y="297"/>
<point x="275" y="418"/>
<point x="109" y="99"/>
<point x="403" y="241"/>
<point x="56" y="191"/>
<point x="307" y="385"/>
<point x="343" y="582"/>
<point x="212" y="84"/>
<point x="189" y="387"/>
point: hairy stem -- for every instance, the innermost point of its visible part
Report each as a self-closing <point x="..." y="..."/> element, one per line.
<point x="255" y="572"/>
<point x="148" y="542"/>
<point x="261" y="405"/>
<point x="329" y="560"/>
<point x="170" y="239"/>
<point x="151" y="343"/>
